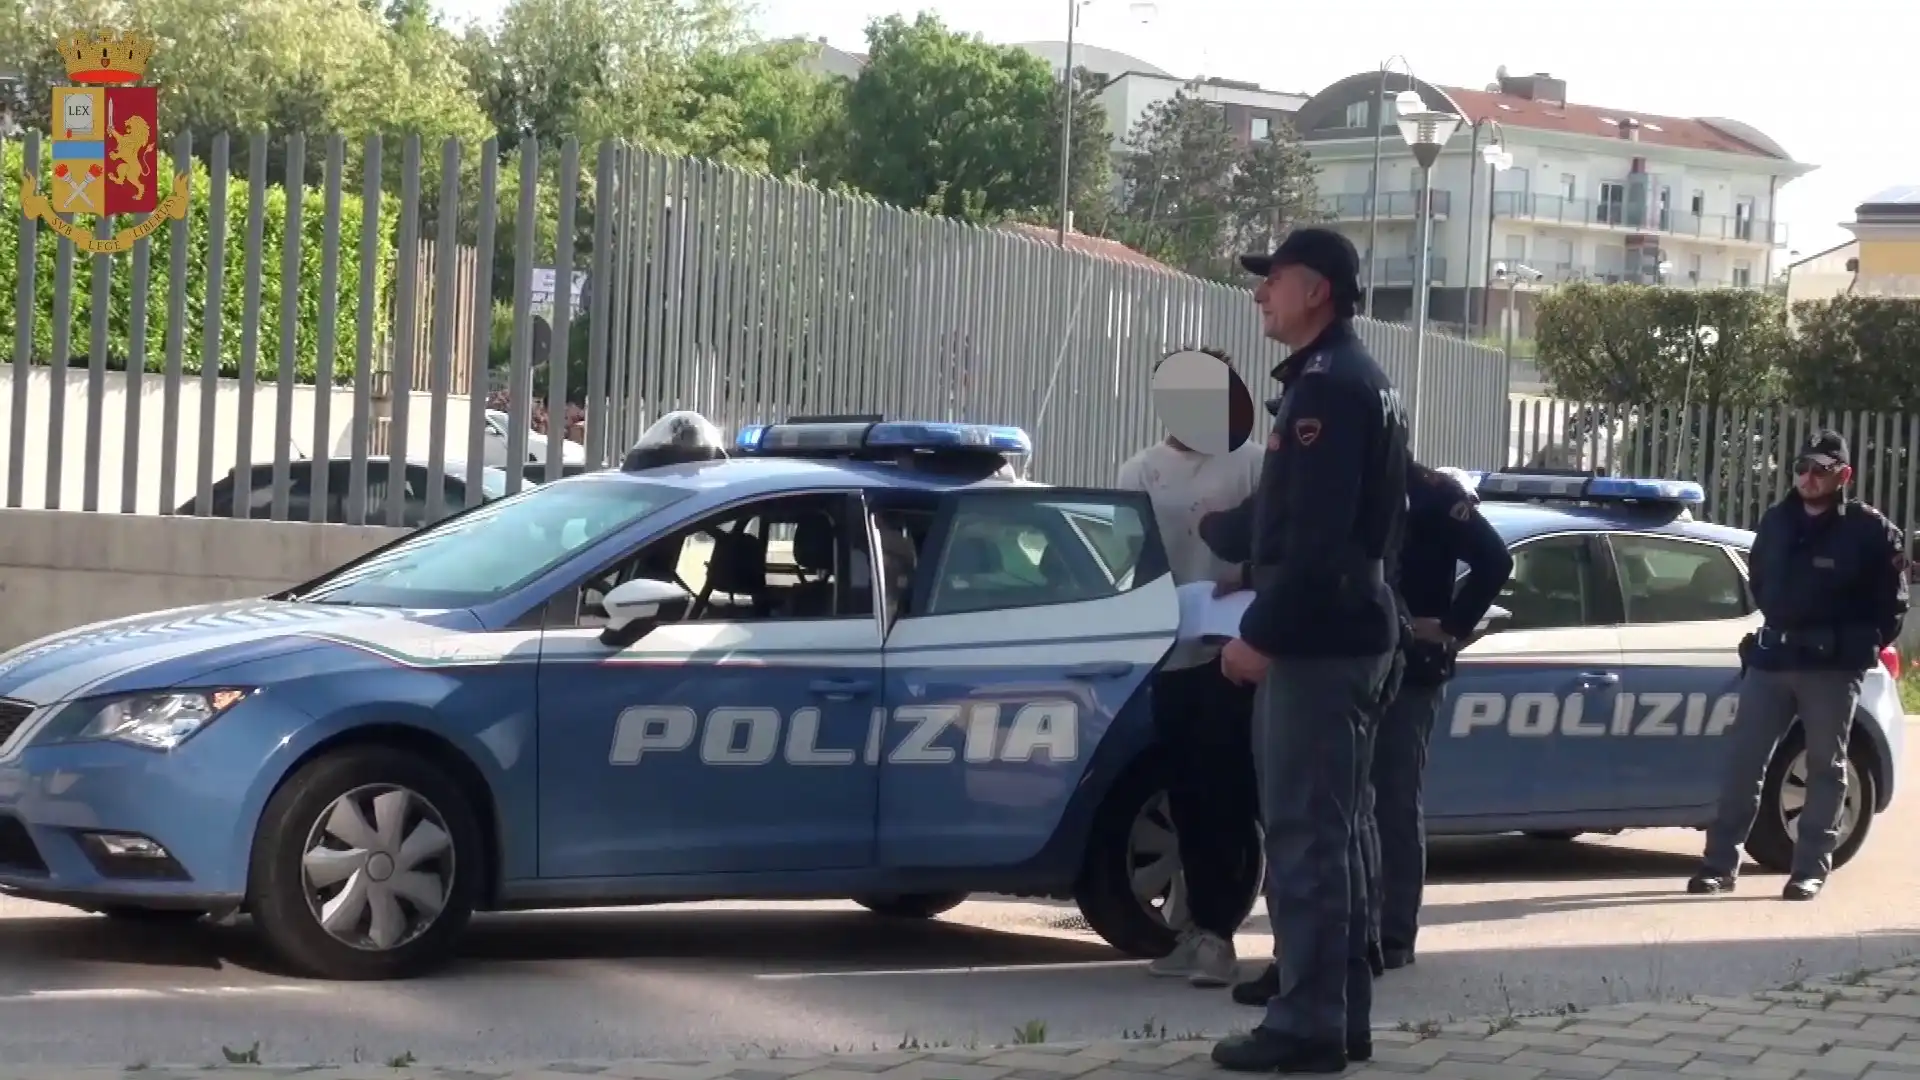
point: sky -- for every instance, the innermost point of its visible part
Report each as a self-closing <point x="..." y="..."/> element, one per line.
<point x="1831" y="81"/>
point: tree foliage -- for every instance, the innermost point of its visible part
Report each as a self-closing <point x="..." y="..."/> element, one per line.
<point x="1194" y="195"/>
<point x="1636" y="344"/>
<point x="1856" y="352"/>
<point x="948" y="122"/>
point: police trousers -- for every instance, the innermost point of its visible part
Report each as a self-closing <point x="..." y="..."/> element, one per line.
<point x="1398" y="771"/>
<point x="1312" y="719"/>
<point x="1203" y="721"/>
<point x="1769" y="701"/>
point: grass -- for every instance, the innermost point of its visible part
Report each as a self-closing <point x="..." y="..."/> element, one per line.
<point x="1910" y="690"/>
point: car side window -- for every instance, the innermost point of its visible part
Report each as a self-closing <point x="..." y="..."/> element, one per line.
<point x="1665" y="580"/>
<point x="790" y="557"/>
<point x="1553" y="585"/>
<point x="1005" y="552"/>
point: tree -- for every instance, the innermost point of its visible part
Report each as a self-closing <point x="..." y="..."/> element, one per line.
<point x="760" y="108"/>
<point x="1855" y="352"/>
<point x="1635" y="344"/>
<point x="1194" y="195"/>
<point x="951" y="123"/>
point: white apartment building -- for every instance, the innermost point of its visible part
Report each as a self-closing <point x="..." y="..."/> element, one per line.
<point x="1592" y="194"/>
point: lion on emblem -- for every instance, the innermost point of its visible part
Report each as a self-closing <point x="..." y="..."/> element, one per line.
<point x="128" y="144"/>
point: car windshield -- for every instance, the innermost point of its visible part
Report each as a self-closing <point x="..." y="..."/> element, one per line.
<point x="496" y="548"/>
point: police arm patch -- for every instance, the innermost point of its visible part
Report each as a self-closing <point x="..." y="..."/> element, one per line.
<point x="1461" y="511"/>
<point x="1307" y="431"/>
<point x="1316" y="365"/>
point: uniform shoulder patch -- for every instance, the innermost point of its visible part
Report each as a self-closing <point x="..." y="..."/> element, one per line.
<point x="1316" y="364"/>
<point x="1461" y="510"/>
<point x="1306" y="431"/>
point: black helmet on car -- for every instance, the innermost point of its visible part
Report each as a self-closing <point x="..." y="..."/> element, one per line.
<point x="676" y="439"/>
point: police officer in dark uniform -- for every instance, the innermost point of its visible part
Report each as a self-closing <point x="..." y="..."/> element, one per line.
<point x="1318" y="640"/>
<point x="1830" y="576"/>
<point x="1444" y="528"/>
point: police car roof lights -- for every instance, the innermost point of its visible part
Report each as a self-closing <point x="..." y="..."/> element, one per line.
<point x="839" y="437"/>
<point x="1526" y="486"/>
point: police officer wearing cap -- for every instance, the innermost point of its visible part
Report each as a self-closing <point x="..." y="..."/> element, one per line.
<point x="1830" y="576"/>
<point x="1318" y="641"/>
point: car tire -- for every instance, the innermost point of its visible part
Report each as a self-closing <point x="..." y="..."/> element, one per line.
<point x="912" y="905"/>
<point x="1771" y="842"/>
<point x="1105" y="892"/>
<point x="429" y="813"/>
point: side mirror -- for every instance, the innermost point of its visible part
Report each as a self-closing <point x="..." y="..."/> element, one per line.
<point x="635" y="607"/>
<point x="1495" y="620"/>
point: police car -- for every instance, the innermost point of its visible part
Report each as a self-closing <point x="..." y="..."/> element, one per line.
<point x="852" y="659"/>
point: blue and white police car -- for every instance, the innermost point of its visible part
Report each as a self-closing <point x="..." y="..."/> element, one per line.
<point x="856" y="659"/>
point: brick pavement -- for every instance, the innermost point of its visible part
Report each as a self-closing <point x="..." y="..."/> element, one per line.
<point x="1856" y="1026"/>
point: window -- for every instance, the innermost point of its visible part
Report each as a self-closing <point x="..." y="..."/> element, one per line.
<point x="1612" y="207"/>
<point x="1669" y="581"/>
<point x="1005" y="551"/>
<point x="1698" y="204"/>
<point x="1693" y="268"/>
<point x="487" y="553"/>
<point x="1516" y="247"/>
<point x="256" y="493"/>
<point x="1569" y="186"/>
<point x="1356" y="115"/>
<point x="1261" y="128"/>
<point x="1742" y="274"/>
<point x="788" y="557"/>
<point x="1552" y="586"/>
<point x="1743" y="218"/>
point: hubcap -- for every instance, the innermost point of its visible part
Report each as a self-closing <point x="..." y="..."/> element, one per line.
<point x="378" y="867"/>
<point x="1153" y="859"/>
<point x="1793" y="799"/>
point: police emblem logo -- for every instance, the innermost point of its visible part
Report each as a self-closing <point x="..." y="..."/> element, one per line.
<point x="1315" y="365"/>
<point x="1306" y="431"/>
<point x="104" y="145"/>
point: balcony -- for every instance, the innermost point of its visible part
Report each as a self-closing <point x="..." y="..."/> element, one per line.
<point x="1568" y="273"/>
<point x="1403" y="270"/>
<point x="1394" y="205"/>
<point x="1619" y="217"/>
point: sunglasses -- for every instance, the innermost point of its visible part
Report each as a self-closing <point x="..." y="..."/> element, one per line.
<point x="1806" y="466"/>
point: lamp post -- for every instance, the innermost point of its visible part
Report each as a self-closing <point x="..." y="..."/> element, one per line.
<point x="1426" y="132"/>
<point x="1496" y="156"/>
<point x="1373" y="190"/>
<point x="1142" y="11"/>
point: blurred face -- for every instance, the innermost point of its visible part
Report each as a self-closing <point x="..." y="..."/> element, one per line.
<point x="1293" y="302"/>
<point x="1818" y="480"/>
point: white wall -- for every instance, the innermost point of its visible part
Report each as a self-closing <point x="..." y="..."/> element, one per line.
<point x="116" y="423"/>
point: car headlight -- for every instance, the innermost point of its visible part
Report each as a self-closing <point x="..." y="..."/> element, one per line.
<point x="156" y="721"/>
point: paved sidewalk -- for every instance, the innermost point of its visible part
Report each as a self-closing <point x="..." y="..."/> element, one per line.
<point x="1856" y="1026"/>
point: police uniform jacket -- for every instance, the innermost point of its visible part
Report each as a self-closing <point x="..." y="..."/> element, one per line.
<point x="1832" y="587"/>
<point x="1331" y="506"/>
<point x="1445" y="528"/>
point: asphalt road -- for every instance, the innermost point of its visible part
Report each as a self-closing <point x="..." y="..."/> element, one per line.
<point x="1512" y="924"/>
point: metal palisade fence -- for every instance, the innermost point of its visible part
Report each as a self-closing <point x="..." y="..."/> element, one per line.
<point x="327" y="308"/>
<point x="1742" y="457"/>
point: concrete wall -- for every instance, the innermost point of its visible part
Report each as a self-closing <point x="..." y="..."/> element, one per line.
<point x="121" y="410"/>
<point x="61" y="569"/>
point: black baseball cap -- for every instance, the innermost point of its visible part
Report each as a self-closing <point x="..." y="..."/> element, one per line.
<point x="1323" y="251"/>
<point x="1828" y="448"/>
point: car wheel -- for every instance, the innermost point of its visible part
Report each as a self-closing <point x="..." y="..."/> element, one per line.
<point x="366" y="865"/>
<point x="1132" y="891"/>
<point x="912" y="905"/>
<point x="1784" y="796"/>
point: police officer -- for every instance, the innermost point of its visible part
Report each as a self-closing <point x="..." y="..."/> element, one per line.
<point x="1830" y="576"/>
<point x="1444" y="528"/>
<point x="1318" y="640"/>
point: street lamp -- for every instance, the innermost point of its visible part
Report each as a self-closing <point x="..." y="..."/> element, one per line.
<point x="1426" y="132"/>
<point x="1140" y="10"/>
<point x="1373" y="192"/>
<point x="1497" y="158"/>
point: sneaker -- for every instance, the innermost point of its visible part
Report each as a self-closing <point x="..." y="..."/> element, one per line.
<point x="1802" y="888"/>
<point x="1177" y="964"/>
<point x="1214" y="962"/>
<point x="1707" y="883"/>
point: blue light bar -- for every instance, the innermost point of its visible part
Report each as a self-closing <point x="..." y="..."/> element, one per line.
<point x="1521" y="487"/>
<point x="805" y="438"/>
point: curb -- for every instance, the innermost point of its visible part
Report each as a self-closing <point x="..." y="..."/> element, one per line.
<point x="1834" y="1010"/>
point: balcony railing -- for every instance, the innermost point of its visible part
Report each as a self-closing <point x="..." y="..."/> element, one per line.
<point x="1403" y="270"/>
<point x="1735" y="228"/>
<point x="1393" y="204"/>
<point x="1568" y="273"/>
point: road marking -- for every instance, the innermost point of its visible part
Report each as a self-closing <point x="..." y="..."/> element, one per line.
<point x="143" y="993"/>
<point x="989" y="969"/>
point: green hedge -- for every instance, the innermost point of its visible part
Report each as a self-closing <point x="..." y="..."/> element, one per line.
<point x="233" y="284"/>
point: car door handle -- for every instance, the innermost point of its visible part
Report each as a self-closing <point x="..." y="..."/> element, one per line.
<point x="1110" y="669"/>
<point x="841" y="689"/>
<point x="1597" y="678"/>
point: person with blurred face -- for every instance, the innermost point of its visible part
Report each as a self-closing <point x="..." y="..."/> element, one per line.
<point x="1830" y="576"/>
<point x="1318" y="641"/>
